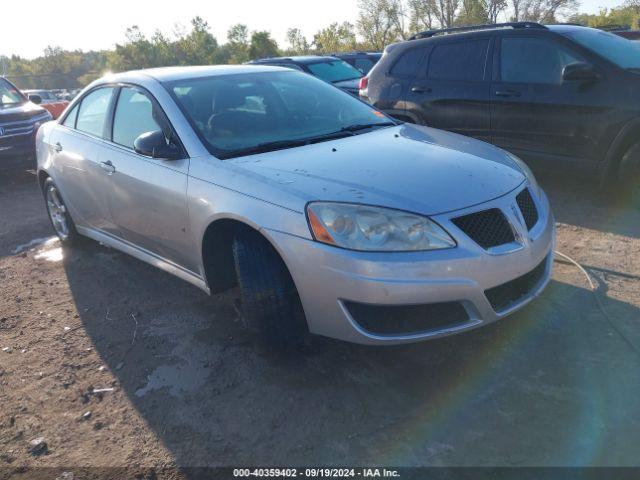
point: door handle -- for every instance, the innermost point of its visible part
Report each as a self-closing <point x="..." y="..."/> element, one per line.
<point x="507" y="93"/>
<point x="418" y="89"/>
<point x="57" y="147"/>
<point x="108" y="167"/>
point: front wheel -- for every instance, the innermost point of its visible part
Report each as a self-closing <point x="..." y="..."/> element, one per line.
<point x="629" y="168"/>
<point x="59" y="215"/>
<point x="270" y="304"/>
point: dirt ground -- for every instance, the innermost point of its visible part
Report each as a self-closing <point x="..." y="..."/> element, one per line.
<point x="115" y="363"/>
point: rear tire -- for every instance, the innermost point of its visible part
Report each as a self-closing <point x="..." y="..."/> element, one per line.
<point x="270" y="304"/>
<point x="59" y="215"/>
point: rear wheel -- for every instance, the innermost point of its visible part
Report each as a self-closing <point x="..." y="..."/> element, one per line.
<point x="59" y="215"/>
<point x="270" y="304"/>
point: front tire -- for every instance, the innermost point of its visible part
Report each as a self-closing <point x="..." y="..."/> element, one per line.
<point x="270" y="304"/>
<point x="59" y="215"/>
<point x="628" y="171"/>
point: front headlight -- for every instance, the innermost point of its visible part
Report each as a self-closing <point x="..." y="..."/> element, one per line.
<point x="361" y="227"/>
<point x="535" y="188"/>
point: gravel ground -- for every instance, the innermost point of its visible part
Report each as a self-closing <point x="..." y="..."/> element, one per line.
<point x="114" y="363"/>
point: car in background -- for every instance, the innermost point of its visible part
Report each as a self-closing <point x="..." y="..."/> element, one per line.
<point x="363" y="61"/>
<point x="624" y="31"/>
<point x="62" y="94"/>
<point x="48" y="100"/>
<point x="327" y="215"/>
<point x="19" y="122"/>
<point x="555" y="95"/>
<point x="330" y="69"/>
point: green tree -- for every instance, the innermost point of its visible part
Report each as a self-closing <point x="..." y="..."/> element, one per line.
<point x="337" y="37"/>
<point x="298" y="44"/>
<point x="381" y="22"/>
<point x="626" y="15"/>
<point x="472" y="12"/>
<point x="199" y="47"/>
<point x="262" y="45"/>
<point x="238" y="43"/>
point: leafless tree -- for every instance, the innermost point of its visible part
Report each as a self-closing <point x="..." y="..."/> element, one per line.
<point x="542" y="11"/>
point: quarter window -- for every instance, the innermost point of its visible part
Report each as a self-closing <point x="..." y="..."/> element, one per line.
<point x="462" y="61"/>
<point x="70" y="121"/>
<point x="134" y="116"/>
<point x="533" y="60"/>
<point x="93" y="112"/>
<point x="407" y="64"/>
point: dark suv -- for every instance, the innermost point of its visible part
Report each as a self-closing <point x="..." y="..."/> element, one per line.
<point x="554" y="95"/>
<point x="19" y="122"/>
<point x="330" y="69"/>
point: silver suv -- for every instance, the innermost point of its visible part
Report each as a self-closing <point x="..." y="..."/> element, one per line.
<point x="329" y="216"/>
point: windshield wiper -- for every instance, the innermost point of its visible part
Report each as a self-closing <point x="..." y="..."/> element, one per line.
<point x="283" y="144"/>
<point x="300" y="142"/>
<point x="345" y="79"/>
<point x="363" y="126"/>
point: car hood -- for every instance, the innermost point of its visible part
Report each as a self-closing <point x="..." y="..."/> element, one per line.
<point x="23" y="111"/>
<point x="407" y="167"/>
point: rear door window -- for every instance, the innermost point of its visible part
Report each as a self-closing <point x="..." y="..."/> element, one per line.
<point x="94" y="108"/>
<point x="460" y="61"/>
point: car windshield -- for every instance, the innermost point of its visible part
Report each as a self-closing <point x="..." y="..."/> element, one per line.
<point x="334" y="71"/>
<point x="243" y="114"/>
<point x="621" y="51"/>
<point x="9" y="95"/>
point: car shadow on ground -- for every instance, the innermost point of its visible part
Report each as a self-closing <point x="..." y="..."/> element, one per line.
<point x="552" y="385"/>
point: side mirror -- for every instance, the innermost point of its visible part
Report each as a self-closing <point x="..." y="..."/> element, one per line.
<point x="154" y="144"/>
<point x="580" y="72"/>
<point x="37" y="99"/>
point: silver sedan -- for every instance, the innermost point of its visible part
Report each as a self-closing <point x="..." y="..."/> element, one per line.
<point x="329" y="216"/>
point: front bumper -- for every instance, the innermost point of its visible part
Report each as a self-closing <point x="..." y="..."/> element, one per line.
<point x="327" y="278"/>
<point x="16" y="146"/>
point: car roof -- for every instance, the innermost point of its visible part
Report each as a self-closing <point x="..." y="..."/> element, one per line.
<point x="566" y="28"/>
<point x="296" y="59"/>
<point x="356" y="54"/>
<point x="168" y="74"/>
<point x="487" y="29"/>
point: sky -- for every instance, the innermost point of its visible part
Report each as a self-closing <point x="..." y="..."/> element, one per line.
<point x="86" y="25"/>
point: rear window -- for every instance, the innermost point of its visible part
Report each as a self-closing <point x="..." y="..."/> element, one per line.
<point x="364" y="64"/>
<point x="334" y="71"/>
<point x="407" y="64"/>
<point x="462" y="61"/>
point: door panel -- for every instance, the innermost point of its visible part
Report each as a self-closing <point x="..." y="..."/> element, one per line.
<point x="148" y="200"/>
<point x="536" y="114"/>
<point x="81" y="179"/>
<point x="453" y="93"/>
<point x="148" y="204"/>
